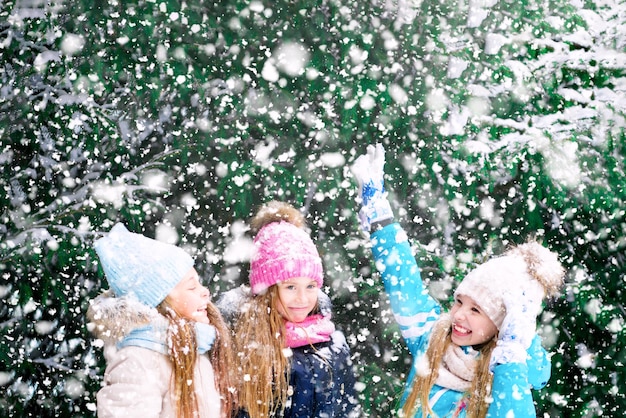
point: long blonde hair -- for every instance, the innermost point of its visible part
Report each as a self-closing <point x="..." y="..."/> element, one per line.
<point x="259" y="336"/>
<point x="183" y="355"/>
<point x="480" y="388"/>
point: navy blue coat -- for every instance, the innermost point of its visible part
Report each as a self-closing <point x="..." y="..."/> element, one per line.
<point x="323" y="381"/>
<point x="322" y="374"/>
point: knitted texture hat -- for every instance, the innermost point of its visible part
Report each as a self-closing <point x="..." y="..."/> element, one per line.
<point x="283" y="251"/>
<point x="527" y="273"/>
<point x="141" y="267"/>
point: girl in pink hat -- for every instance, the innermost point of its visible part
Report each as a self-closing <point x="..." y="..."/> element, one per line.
<point x="292" y="361"/>
<point x="483" y="357"/>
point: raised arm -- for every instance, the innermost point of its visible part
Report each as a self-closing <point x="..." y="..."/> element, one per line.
<point x="414" y="309"/>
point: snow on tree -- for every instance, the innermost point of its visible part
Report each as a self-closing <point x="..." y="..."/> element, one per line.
<point x="501" y="119"/>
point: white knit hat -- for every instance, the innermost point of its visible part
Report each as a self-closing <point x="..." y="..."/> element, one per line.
<point x="527" y="273"/>
<point x="141" y="267"/>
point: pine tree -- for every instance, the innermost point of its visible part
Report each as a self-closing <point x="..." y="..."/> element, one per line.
<point x="501" y="120"/>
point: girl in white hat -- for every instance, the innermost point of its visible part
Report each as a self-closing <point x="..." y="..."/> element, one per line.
<point x="166" y="345"/>
<point x="483" y="357"/>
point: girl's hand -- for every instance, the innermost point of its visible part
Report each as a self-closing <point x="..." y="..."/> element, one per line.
<point x="516" y="332"/>
<point x="368" y="170"/>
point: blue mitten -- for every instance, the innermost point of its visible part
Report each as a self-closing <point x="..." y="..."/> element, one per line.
<point x="368" y="170"/>
<point x="516" y="332"/>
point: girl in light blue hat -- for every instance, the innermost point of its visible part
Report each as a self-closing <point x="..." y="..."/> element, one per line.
<point x="167" y="347"/>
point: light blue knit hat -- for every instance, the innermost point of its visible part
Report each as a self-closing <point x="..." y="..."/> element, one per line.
<point x="138" y="266"/>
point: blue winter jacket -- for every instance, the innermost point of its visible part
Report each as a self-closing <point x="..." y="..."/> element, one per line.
<point x="416" y="312"/>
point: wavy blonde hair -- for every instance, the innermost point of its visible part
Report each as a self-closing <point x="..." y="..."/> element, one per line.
<point x="183" y="355"/>
<point x="421" y="386"/>
<point x="259" y="339"/>
<point x="259" y="334"/>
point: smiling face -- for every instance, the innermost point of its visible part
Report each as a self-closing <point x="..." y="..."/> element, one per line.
<point x="470" y="325"/>
<point x="297" y="297"/>
<point x="190" y="299"/>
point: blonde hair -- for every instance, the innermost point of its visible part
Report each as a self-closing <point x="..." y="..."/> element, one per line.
<point x="183" y="355"/>
<point x="259" y="333"/>
<point x="479" y="393"/>
<point x="259" y="337"/>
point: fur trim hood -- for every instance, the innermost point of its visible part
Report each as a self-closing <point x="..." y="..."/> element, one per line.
<point x="111" y="318"/>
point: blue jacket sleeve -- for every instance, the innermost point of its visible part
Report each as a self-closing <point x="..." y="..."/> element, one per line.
<point x="539" y="365"/>
<point x="512" y="384"/>
<point x="414" y="309"/>
<point x="511" y="392"/>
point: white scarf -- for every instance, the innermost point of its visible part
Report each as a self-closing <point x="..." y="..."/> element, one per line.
<point x="457" y="368"/>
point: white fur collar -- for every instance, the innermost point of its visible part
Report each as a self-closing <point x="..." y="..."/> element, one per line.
<point x="112" y="318"/>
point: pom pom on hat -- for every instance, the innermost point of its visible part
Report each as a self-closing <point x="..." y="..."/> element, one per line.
<point x="282" y="249"/>
<point x="139" y="266"/>
<point x="543" y="265"/>
<point x="527" y="273"/>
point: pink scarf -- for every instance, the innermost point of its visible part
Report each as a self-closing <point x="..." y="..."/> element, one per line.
<point x="314" y="329"/>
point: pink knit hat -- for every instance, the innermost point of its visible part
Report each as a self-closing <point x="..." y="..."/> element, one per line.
<point x="283" y="251"/>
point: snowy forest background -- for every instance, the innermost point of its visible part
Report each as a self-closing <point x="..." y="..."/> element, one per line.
<point x="501" y="120"/>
